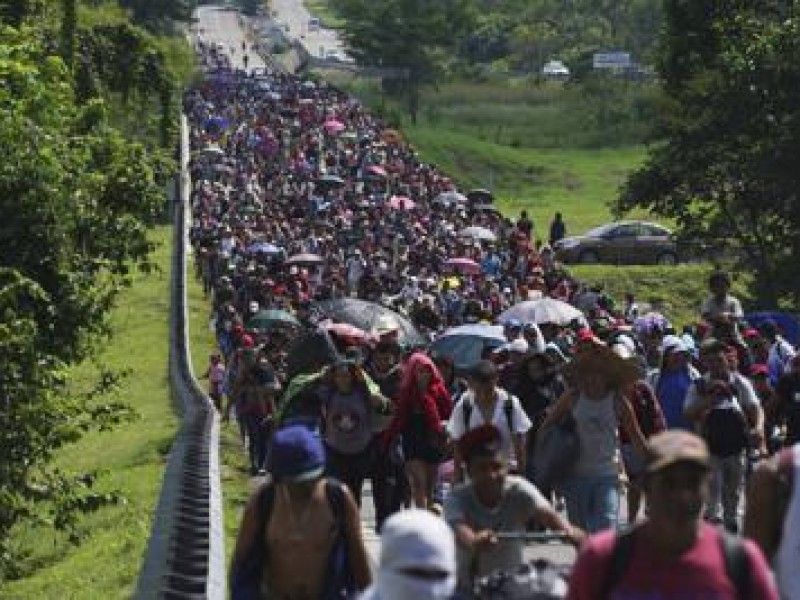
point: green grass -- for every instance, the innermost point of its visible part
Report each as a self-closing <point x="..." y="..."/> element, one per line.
<point x="677" y="292"/>
<point x="107" y="561"/>
<point x="578" y="183"/>
<point x="233" y="461"/>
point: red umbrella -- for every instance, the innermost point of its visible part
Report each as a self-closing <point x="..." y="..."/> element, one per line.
<point x="401" y="203"/>
<point x="378" y="171"/>
<point x="350" y="334"/>
<point x="466" y="266"/>
<point x="334" y="126"/>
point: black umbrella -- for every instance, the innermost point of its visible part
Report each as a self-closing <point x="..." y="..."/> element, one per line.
<point x="310" y="353"/>
<point x="367" y="316"/>
<point x="480" y="196"/>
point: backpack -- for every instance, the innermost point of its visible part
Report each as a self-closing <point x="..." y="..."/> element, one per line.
<point x="725" y="430"/>
<point x="247" y="576"/>
<point x="737" y="563"/>
<point x="508" y="409"/>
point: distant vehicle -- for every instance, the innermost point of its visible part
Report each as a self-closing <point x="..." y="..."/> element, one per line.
<point x="555" y="69"/>
<point x="313" y="24"/>
<point x="623" y="242"/>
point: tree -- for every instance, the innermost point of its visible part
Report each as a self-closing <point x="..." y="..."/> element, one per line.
<point x="727" y="171"/>
<point x="159" y="15"/>
<point x="410" y="37"/>
<point x="75" y="199"/>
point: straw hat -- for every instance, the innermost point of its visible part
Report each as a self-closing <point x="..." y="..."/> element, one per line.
<point x="598" y="358"/>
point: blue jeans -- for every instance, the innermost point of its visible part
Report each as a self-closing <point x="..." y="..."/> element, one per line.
<point x="592" y="501"/>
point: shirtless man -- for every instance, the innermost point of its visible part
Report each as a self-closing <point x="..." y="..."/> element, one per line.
<point x="302" y="527"/>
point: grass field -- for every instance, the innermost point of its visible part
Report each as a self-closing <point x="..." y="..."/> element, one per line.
<point x="132" y="457"/>
<point x="677" y="292"/>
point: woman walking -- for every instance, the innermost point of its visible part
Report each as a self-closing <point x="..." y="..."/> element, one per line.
<point x="423" y="404"/>
<point x="597" y="403"/>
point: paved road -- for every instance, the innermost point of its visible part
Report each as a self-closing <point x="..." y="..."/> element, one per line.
<point x="217" y="25"/>
<point x="295" y="14"/>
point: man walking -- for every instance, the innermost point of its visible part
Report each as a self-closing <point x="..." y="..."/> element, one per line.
<point x="673" y="554"/>
<point x="725" y="406"/>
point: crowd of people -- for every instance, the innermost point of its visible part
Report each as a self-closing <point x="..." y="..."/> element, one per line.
<point x="300" y="196"/>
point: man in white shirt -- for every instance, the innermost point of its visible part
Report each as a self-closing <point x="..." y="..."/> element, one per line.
<point x="487" y="404"/>
<point x="726" y="409"/>
<point x="780" y="351"/>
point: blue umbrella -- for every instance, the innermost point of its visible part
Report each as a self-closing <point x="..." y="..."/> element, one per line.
<point x="263" y="248"/>
<point x="466" y="344"/>
<point x="215" y="124"/>
<point x="787" y="324"/>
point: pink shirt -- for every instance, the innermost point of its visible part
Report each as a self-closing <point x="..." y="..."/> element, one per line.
<point x="699" y="574"/>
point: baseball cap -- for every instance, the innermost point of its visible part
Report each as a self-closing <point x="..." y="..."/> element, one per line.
<point x="759" y="370"/>
<point x="670" y="447"/>
<point x="297" y="455"/>
<point x="416" y="538"/>
<point x="672" y="343"/>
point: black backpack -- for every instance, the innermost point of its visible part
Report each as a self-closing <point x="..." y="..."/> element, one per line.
<point x="737" y="563"/>
<point x="508" y="409"/>
<point x="725" y="430"/>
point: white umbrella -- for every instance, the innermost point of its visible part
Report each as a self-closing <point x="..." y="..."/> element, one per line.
<point x="544" y="310"/>
<point x="450" y="198"/>
<point x="479" y="233"/>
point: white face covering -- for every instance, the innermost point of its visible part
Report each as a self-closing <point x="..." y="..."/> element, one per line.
<point x="399" y="586"/>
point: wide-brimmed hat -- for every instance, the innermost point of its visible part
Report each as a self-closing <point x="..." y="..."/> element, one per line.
<point x="598" y="358"/>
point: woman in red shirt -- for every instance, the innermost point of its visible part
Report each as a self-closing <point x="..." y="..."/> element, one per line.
<point x="423" y="404"/>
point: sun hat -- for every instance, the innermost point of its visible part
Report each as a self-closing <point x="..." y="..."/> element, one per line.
<point x="675" y="446"/>
<point x="297" y="455"/>
<point x="599" y="358"/>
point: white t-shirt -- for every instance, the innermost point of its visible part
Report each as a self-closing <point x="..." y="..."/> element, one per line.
<point x="521" y="423"/>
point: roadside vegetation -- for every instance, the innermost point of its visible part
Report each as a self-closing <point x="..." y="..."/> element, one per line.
<point x="90" y="97"/>
<point x="129" y="459"/>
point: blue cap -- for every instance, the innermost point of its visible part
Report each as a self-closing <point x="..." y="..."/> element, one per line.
<point x="297" y="455"/>
<point x="514" y="324"/>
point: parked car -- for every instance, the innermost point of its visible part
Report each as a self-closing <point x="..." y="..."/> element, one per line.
<point x="623" y="242"/>
<point x="555" y="69"/>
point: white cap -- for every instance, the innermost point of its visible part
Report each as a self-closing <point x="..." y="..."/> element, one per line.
<point x="254" y="306"/>
<point x="672" y="343"/>
<point x="386" y="324"/>
<point x="519" y="345"/>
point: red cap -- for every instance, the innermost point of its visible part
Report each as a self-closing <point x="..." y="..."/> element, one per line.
<point x="247" y="341"/>
<point x="759" y="370"/>
<point x="751" y="333"/>
<point x="586" y="335"/>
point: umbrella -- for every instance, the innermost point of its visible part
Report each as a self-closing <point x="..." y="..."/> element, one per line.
<point x="450" y="198"/>
<point x="265" y="320"/>
<point x="391" y="136"/>
<point x="348" y="333"/>
<point x="480" y="196"/>
<point x="330" y="181"/>
<point x="310" y="352"/>
<point x="401" y="203"/>
<point x="334" y="126"/>
<point x="488" y="208"/>
<point x="651" y="322"/>
<point x="263" y="248"/>
<point x="465" y="345"/>
<point x="365" y="315"/>
<point x="787" y="324"/>
<point x="544" y="310"/>
<point x="305" y="259"/>
<point x="212" y="151"/>
<point x="478" y="233"/>
<point x="377" y="171"/>
<point x="464" y="265"/>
